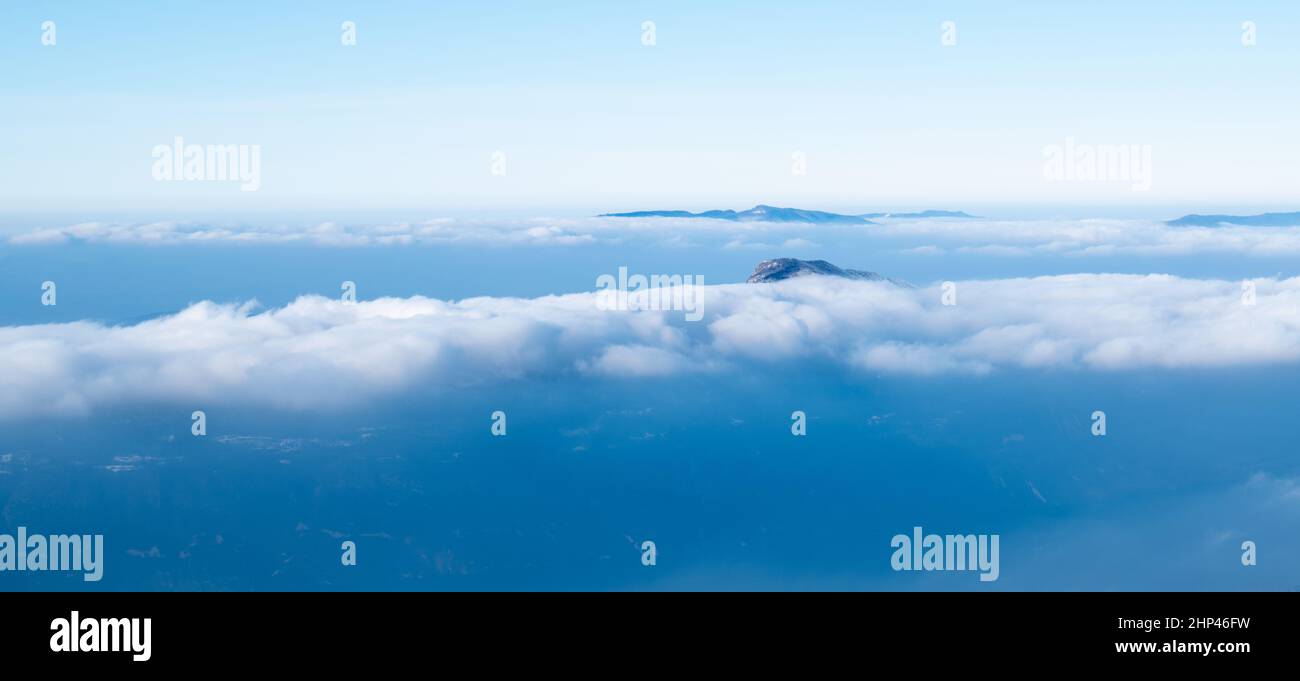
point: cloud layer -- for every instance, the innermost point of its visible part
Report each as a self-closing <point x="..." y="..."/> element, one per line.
<point x="320" y="353"/>
<point x="443" y="231"/>
<point x="927" y="236"/>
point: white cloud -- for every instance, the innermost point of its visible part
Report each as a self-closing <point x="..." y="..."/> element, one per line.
<point x="1088" y="237"/>
<point x="635" y="361"/>
<point x="321" y="353"/>
<point x="440" y="231"/>
<point x="1000" y="238"/>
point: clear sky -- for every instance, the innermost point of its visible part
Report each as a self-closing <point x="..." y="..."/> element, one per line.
<point x="591" y="119"/>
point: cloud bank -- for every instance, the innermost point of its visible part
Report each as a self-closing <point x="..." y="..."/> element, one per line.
<point x="1089" y="238"/>
<point x="319" y="353"/>
<point x="442" y="231"/>
<point x="924" y="236"/>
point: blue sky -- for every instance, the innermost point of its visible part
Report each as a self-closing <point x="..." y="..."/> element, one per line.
<point x="591" y="120"/>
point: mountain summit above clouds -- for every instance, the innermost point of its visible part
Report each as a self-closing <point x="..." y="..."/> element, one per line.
<point x="781" y="269"/>
<point x="763" y="213"/>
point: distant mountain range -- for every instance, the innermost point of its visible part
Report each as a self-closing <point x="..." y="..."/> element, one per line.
<point x="762" y="213"/>
<point x="1261" y="220"/>
<point x="781" y="269"/>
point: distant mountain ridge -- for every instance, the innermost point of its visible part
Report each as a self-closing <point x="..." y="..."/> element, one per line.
<point x="1260" y="220"/>
<point x="765" y="213"/>
<point x="780" y="269"/>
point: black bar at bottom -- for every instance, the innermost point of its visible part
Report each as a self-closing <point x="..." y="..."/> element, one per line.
<point x="207" y="631"/>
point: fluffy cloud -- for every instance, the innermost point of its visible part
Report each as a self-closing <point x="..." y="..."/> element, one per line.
<point x="322" y="353"/>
